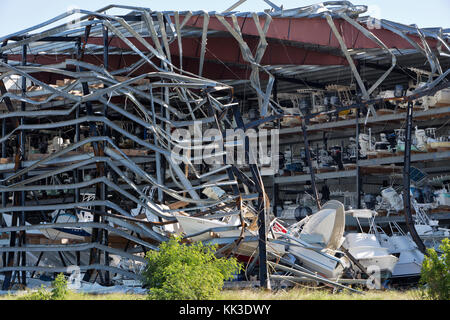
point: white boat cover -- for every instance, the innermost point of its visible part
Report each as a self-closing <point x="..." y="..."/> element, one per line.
<point x="362" y="213"/>
<point x="329" y="223"/>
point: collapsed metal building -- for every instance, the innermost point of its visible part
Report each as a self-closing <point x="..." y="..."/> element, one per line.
<point x="88" y="108"/>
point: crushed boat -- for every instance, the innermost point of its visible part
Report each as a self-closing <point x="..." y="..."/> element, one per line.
<point x="314" y="241"/>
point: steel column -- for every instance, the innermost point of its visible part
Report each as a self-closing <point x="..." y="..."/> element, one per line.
<point x="262" y="232"/>
<point x="23" y="234"/>
<point x="358" y="169"/>
<point x="407" y="181"/>
<point x="105" y="133"/>
<point x="311" y="169"/>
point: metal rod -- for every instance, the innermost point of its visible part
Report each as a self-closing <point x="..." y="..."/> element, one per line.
<point x="318" y="278"/>
<point x="37" y="263"/>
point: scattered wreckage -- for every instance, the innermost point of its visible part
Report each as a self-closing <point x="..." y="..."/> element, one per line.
<point x="90" y="177"/>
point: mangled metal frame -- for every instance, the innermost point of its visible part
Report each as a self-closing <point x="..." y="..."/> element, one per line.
<point x="195" y="92"/>
<point x="111" y="157"/>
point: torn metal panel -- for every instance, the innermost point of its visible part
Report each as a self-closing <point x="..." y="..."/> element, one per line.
<point x="126" y="156"/>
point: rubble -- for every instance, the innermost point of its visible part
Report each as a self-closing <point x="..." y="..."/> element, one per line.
<point x="102" y="159"/>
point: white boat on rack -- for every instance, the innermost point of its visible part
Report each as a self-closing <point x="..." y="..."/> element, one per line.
<point x="427" y="228"/>
<point x="366" y="248"/>
<point x="410" y="258"/>
<point x="72" y="233"/>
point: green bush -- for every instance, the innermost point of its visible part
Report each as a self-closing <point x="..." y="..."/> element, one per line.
<point x="59" y="288"/>
<point x="59" y="291"/>
<point x="186" y="272"/>
<point x="40" y="294"/>
<point x="435" y="273"/>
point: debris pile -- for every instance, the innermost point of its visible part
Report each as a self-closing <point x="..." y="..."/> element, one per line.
<point x="117" y="132"/>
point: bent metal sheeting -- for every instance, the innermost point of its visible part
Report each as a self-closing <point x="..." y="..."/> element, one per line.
<point x="131" y="80"/>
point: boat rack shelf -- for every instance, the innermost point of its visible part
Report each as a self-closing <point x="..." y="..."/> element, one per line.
<point x="319" y="176"/>
<point x="384" y="220"/>
<point x="349" y="123"/>
<point x="418" y="157"/>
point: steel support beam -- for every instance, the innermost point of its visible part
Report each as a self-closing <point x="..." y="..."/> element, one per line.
<point x="23" y="234"/>
<point x="358" y="168"/>
<point x="262" y="232"/>
<point x="309" y="160"/>
<point x="106" y="131"/>
<point x="407" y="181"/>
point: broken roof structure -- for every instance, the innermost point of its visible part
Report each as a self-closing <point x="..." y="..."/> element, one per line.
<point x="117" y="86"/>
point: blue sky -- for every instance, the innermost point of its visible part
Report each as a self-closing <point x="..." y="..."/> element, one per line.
<point x="16" y="15"/>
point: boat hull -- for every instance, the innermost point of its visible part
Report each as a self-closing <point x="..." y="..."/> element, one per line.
<point x="370" y="254"/>
<point x="409" y="257"/>
<point x="192" y="226"/>
<point x="319" y="262"/>
<point x="66" y="232"/>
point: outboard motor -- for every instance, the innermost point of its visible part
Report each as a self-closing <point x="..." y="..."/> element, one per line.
<point x="295" y="212"/>
<point x="370" y="200"/>
<point x="305" y="107"/>
<point x="417" y="194"/>
<point x="398" y="91"/>
<point x="302" y="212"/>
<point x="325" y="191"/>
<point x="334" y="101"/>
<point x="281" y="160"/>
<point x="253" y="114"/>
<point x="428" y="194"/>
<point x="336" y="154"/>
<point x="392" y="139"/>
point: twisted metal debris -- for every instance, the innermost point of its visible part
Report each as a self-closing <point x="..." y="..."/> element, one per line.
<point x="126" y="106"/>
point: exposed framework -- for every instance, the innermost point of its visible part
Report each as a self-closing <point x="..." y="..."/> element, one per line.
<point x="152" y="71"/>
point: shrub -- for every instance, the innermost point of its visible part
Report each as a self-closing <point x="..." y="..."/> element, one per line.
<point x="59" y="291"/>
<point x="186" y="272"/>
<point x="40" y="294"/>
<point x="435" y="273"/>
<point x="59" y="288"/>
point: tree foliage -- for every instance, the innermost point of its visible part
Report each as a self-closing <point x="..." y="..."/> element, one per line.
<point x="435" y="273"/>
<point x="186" y="272"/>
<point x="59" y="288"/>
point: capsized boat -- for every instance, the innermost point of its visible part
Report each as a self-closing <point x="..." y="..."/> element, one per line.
<point x="314" y="241"/>
<point x="7" y="218"/>
<point x="72" y="233"/>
